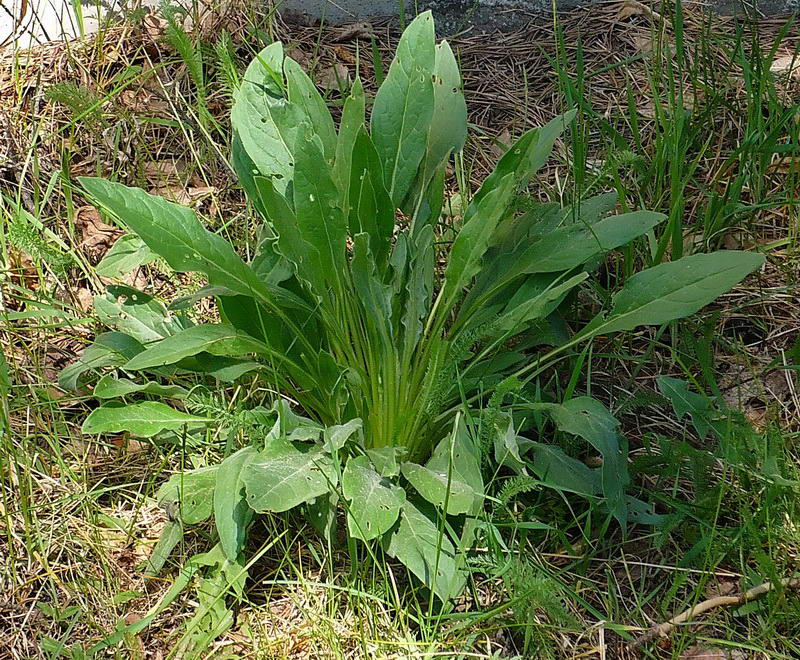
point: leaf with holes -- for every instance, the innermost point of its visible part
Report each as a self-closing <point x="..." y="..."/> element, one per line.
<point x="374" y="501"/>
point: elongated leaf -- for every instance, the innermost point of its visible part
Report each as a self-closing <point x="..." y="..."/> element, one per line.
<point x="190" y="494"/>
<point x="677" y="289"/>
<point x="127" y="254"/>
<point x="448" y="129"/>
<point x="387" y="460"/>
<point x="281" y="478"/>
<point x="266" y="122"/>
<point x="352" y="123"/>
<point x="303" y="93"/>
<point x="428" y="554"/>
<point x="335" y="437"/>
<point x="374" y="501"/>
<point x="144" y="419"/>
<point x="440" y="488"/>
<point x="109" y="349"/>
<point x="373" y="294"/>
<point x="174" y="232"/>
<point x="403" y="107"/>
<point x="317" y="205"/>
<point x="419" y="289"/>
<point x="231" y="512"/>
<point x="563" y="472"/>
<point x="109" y="387"/>
<point x="170" y="536"/>
<point x="215" y="338"/>
<point x="589" y="419"/>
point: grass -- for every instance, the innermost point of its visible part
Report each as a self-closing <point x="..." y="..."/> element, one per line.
<point x="681" y="115"/>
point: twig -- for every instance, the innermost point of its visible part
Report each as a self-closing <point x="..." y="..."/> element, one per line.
<point x="664" y="629"/>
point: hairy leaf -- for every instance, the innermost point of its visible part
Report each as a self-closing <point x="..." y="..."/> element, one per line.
<point x="231" y="512"/>
<point x="374" y="501"/>
<point x="144" y="419"/>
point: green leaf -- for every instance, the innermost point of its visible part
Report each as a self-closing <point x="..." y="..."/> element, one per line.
<point x="137" y="314"/>
<point x="109" y="387"/>
<point x="351" y="124"/>
<point x="110" y="349"/>
<point x="189" y="494"/>
<point x="429" y="555"/>
<point x="214" y="338"/>
<point x="438" y="487"/>
<point x="589" y="419"/>
<point x="175" y="233"/>
<point x="304" y="94"/>
<point x="676" y="289"/>
<point x="448" y="128"/>
<point x="684" y="402"/>
<point x="335" y="437"/>
<point x="317" y="206"/>
<point x="562" y="472"/>
<point x="267" y="123"/>
<point x="170" y="536"/>
<point x="231" y="512"/>
<point x="403" y="107"/>
<point x="281" y="478"/>
<point x="128" y="253"/>
<point x="144" y="419"/>
<point x="385" y="460"/>
<point x="374" y="501"/>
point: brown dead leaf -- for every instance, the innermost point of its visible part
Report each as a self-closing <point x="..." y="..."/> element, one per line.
<point x="787" y="65"/>
<point x="153" y="26"/>
<point x="721" y="588"/>
<point x="345" y="55"/>
<point x="145" y="104"/>
<point x="334" y="78"/>
<point x="628" y="8"/>
<point x="501" y="143"/>
<point x="96" y="236"/>
<point x="301" y="58"/>
<point x="353" y="31"/>
<point x="699" y="653"/>
<point x="164" y="172"/>
<point x="187" y="196"/>
<point x="643" y="43"/>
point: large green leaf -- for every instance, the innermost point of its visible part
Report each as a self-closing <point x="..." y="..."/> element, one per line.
<point x="128" y="253"/>
<point x="109" y="387"/>
<point x="215" y="338"/>
<point x="441" y="487"/>
<point x="448" y="128"/>
<point x="281" y="477"/>
<point x="426" y="552"/>
<point x="677" y="289"/>
<point x="138" y="314"/>
<point x="684" y="401"/>
<point x="374" y="501"/>
<point x="175" y="233"/>
<point x="351" y="124"/>
<point x="589" y="419"/>
<point x="144" y="419"/>
<point x="231" y="512"/>
<point x="403" y="107"/>
<point x="192" y="493"/>
<point x="303" y="92"/>
<point x="317" y="206"/>
<point x="266" y="122"/>
<point x="562" y="472"/>
<point x="110" y="349"/>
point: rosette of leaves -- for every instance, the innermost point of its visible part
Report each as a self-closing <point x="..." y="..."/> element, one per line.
<point x="386" y="337"/>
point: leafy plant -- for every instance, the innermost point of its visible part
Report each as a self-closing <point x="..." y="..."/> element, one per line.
<point x="388" y="341"/>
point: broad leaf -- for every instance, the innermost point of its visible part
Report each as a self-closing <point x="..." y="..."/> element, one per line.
<point x="684" y="402"/>
<point x="144" y="419"/>
<point x="440" y="487"/>
<point x="110" y="349"/>
<point x="351" y="124"/>
<point x="214" y="338"/>
<point x="127" y="254"/>
<point x="190" y="494"/>
<point x="175" y="233"/>
<point x="403" y="107"/>
<point x="589" y="419"/>
<point x="267" y="124"/>
<point x="137" y="314"/>
<point x="562" y="472"/>
<point x="109" y="387"/>
<point x="387" y="460"/>
<point x="303" y="93"/>
<point x="677" y="289"/>
<point x="374" y="501"/>
<point x="281" y="478"/>
<point x="231" y="512"/>
<point x="426" y="552"/>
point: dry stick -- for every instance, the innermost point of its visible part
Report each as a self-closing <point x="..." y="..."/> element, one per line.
<point x="663" y="629"/>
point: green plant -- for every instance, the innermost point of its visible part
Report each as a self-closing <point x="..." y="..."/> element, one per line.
<point x="376" y="363"/>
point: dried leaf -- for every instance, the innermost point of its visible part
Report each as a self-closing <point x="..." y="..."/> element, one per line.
<point x="335" y="78"/>
<point x="787" y="65"/>
<point x="186" y="196"/>
<point x="629" y="8"/>
<point x="353" y="31"/>
<point x="96" y="236"/>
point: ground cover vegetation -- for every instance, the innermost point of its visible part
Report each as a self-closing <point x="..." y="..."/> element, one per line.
<point x="383" y="386"/>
